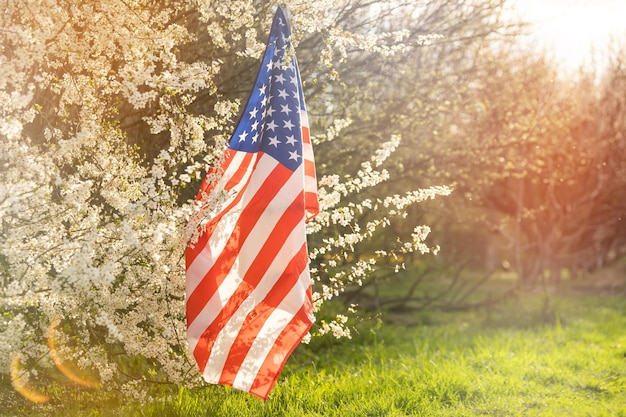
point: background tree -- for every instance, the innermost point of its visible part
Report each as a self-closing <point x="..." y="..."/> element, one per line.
<point x="535" y="173"/>
<point x="527" y="150"/>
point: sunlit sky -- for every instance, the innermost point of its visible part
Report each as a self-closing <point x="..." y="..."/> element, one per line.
<point x="568" y="29"/>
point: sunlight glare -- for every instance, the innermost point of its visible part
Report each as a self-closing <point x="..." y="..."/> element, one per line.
<point x="67" y="368"/>
<point x="570" y="30"/>
<point x="19" y="380"/>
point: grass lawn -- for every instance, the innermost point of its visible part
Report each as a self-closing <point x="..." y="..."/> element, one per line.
<point x="507" y="361"/>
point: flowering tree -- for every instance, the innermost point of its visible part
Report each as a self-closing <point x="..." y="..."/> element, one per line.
<point x="111" y="112"/>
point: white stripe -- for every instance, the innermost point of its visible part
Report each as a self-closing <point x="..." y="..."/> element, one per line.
<point x="205" y="260"/>
<point x="247" y="254"/>
<point x="224" y="228"/>
<point x="310" y="181"/>
<point x="215" y="245"/>
<point x="248" y="251"/>
<point x="310" y="184"/>
<point x="307" y="151"/>
<point x="233" y="167"/>
<point x="223" y="178"/>
<point x="304" y="118"/>
<point x="270" y="331"/>
<point x="227" y="336"/>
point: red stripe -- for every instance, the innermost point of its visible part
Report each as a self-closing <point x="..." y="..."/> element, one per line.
<point x="288" y="340"/>
<point x="257" y="317"/>
<point x="209" y="227"/>
<point x="311" y="205"/>
<point x="288" y="221"/>
<point x="207" y="187"/>
<point x="245" y="223"/>
<point x="309" y="168"/>
<point x="241" y="171"/>
<point x="305" y="134"/>
<point x="193" y="251"/>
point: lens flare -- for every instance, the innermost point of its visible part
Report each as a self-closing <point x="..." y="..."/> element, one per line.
<point x="19" y="380"/>
<point x="69" y="369"/>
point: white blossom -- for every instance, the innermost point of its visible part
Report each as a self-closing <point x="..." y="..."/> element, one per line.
<point x="94" y="232"/>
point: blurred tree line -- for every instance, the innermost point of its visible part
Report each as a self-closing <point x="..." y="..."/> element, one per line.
<point x="535" y="157"/>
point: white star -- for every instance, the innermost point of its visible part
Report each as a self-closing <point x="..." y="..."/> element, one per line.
<point x="269" y="111"/>
<point x="271" y="125"/>
<point x="242" y="137"/>
<point x="283" y="93"/>
<point x="291" y="140"/>
<point x="255" y="137"/>
<point x="255" y="125"/>
<point x="294" y="80"/>
<point x="274" y="141"/>
<point x="285" y="109"/>
<point x="262" y="89"/>
<point x="293" y="155"/>
<point x="280" y="78"/>
<point x="264" y="102"/>
<point x="288" y="125"/>
<point x="269" y="65"/>
<point x="253" y="113"/>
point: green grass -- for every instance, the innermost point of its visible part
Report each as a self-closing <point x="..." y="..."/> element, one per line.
<point x="503" y="362"/>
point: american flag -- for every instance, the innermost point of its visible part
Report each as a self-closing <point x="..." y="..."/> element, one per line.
<point x="248" y="283"/>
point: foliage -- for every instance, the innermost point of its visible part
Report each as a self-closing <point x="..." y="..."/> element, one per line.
<point x="549" y="176"/>
<point x="533" y="155"/>
<point x="422" y="94"/>
<point x="111" y="112"/>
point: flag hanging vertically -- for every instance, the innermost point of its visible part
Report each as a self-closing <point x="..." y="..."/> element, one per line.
<point x="248" y="284"/>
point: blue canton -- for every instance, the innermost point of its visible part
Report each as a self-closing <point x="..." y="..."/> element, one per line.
<point x="271" y="120"/>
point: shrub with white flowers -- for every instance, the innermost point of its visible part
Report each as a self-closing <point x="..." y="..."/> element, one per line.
<point x="93" y="208"/>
